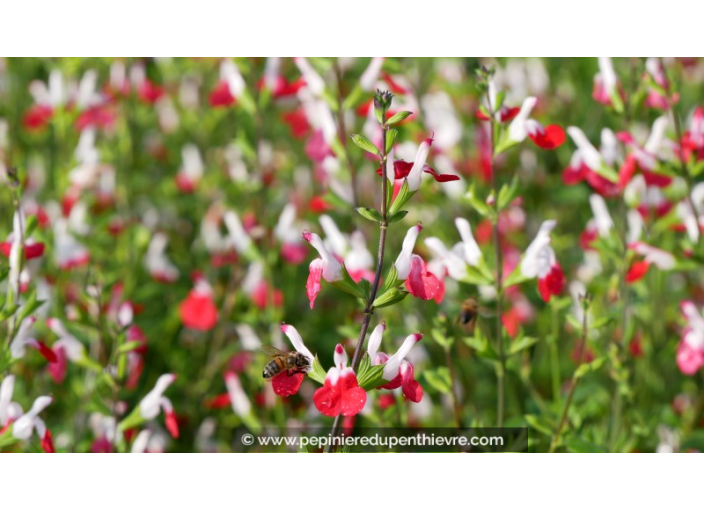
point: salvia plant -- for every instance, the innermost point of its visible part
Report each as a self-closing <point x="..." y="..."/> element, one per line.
<point x="196" y="248"/>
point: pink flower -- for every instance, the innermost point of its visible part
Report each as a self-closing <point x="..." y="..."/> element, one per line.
<point x="326" y="267"/>
<point x="340" y="393"/>
<point x="198" y="310"/>
<point x="546" y="137"/>
<point x="690" y="351"/>
<point x="229" y="88"/>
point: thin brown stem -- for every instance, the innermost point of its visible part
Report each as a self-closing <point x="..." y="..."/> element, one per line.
<point x="368" y="309"/>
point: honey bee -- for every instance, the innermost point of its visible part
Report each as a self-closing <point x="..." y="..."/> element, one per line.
<point x="468" y="315"/>
<point x="292" y="362"/>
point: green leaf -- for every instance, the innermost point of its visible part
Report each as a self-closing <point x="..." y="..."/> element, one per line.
<point x="391" y="135"/>
<point x="390" y="297"/>
<point x="500" y="97"/>
<point x="363" y="143"/>
<point x="348" y="285"/>
<point x="404" y="195"/>
<point x="391" y="280"/>
<point x="439" y="379"/>
<point x="317" y="373"/>
<point x="397" y="216"/>
<point x="520" y="345"/>
<point x="398" y="117"/>
<point x="539" y="423"/>
<point x="508" y="193"/>
<point x="370" y="214"/>
<point x="30" y="226"/>
<point x="370" y="376"/>
<point x="479" y="205"/>
<point x="585" y="368"/>
<point x="129" y="346"/>
<point x="29" y="306"/>
<point x="442" y="340"/>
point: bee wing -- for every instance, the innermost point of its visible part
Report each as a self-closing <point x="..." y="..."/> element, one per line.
<point x="272" y="351"/>
<point x="486" y="312"/>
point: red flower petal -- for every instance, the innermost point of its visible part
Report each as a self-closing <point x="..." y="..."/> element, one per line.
<point x="47" y="442"/>
<point x="219" y="402"/>
<point x="551" y="138"/>
<point x="327" y="399"/>
<point x="313" y="283"/>
<point x="637" y="271"/>
<point x="198" y="311"/>
<point x="221" y="95"/>
<point x="48" y="354"/>
<point x="440" y="177"/>
<point x="172" y="424"/>
<point x="420" y="283"/>
<point x="285" y="385"/>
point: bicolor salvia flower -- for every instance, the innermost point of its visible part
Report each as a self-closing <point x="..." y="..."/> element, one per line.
<point x="398" y="371"/>
<point x="23" y="424"/>
<point x="326" y="267"/>
<point x="285" y="383"/>
<point x="546" y="137"/>
<point x="661" y="259"/>
<point x="690" y="351"/>
<point x="605" y="83"/>
<point x="587" y="162"/>
<point x="413" y="172"/>
<point x="341" y="393"/>
<point x="411" y="269"/>
<point x="539" y="261"/>
<point x="191" y="171"/>
<point x="155" y="401"/>
<point x="67" y="347"/>
<point x="24" y="339"/>
<point x="30" y="247"/>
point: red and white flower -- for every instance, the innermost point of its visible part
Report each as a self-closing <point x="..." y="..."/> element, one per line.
<point x="155" y="401"/>
<point x="31" y="248"/>
<point x="191" y="171"/>
<point x="66" y="348"/>
<point x="239" y="401"/>
<point x="546" y="137"/>
<point x="651" y="256"/>
<point x="157" y="263"/>
<point x="690" y="351"/>
<point x="403" y="261"/>
<point x="645" y="158"/>
<point x="539" y="261"/>
<point x="398" y="371"/>
<point x="23" y="424"/>
<point x="23" y="338"/>
<point x="587" y="161"/>
<point x="285" y="384"/>
<point x="229" y="88"/>
<point x="605" y="82"/>
<point x="341" y="393"/>
<point x="413" y="172"/>
<point x="68" y="253"/>
<point x="326" y="267"/>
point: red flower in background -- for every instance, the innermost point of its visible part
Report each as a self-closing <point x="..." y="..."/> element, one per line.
<point x="198" y="310"/>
